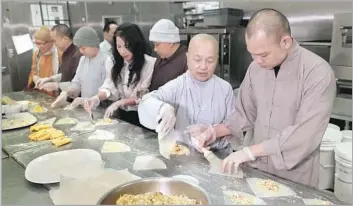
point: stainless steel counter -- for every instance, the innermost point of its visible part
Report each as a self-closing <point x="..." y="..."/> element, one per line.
<point x="17" y="190"/>
<point x="142" y="142"/>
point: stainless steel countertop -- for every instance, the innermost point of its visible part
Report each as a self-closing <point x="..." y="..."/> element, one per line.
<point x="17" y="190"/>
<point x="142" y="142"/>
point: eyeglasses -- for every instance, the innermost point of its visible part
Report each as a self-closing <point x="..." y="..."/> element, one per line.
<point x="41" y="44"/>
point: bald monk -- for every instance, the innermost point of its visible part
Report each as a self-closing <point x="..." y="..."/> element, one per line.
<point x="196" y="97"/>
<point x="286" y="97"/>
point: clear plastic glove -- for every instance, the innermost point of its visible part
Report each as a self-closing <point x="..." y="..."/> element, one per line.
<point x="202" y="135"/>
<point x="73" y="91"/>
<point x="35" y="80"/>
<point x="166" y="119"/>
<point x="112" y="108"/>
<point x="91" y="103"/>
<point x="42" y="81"/>
<point x="77" y="102"/>
<point x="233" y="161"/>
<point x="49" y="86"/>
<point x="60" y="100"/>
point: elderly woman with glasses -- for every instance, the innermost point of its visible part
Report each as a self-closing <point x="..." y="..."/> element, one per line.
<point x="45" y="60"/>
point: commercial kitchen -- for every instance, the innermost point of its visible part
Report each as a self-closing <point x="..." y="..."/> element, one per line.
<point x="97" y="160"/>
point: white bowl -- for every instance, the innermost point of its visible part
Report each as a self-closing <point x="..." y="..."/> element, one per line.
<point x="24" y="105"/>
<point x="12" y="109"/>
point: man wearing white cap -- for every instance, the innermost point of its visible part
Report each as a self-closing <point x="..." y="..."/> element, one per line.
<point x="172" y="56"/>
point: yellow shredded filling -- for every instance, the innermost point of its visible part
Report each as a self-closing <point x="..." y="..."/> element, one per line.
<point x="38" y="109"/>
<point x="242" y="200"/>
<point x="180" y="150"/>
<point x="270" y="185"/>
<point x="155" y="198"/>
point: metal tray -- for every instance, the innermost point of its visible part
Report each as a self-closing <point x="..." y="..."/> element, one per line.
<point x="165" y="185"/>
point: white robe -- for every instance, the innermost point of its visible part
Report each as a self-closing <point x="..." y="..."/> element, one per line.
<point x="195" y="102"/>
<point x="91" y="73"/>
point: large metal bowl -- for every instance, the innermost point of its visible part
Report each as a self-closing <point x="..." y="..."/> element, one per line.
<point x="165" y="185"/>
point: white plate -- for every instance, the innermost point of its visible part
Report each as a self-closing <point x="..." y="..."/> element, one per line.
<point x="48" y="168"/>
<point x="19" y="120"/>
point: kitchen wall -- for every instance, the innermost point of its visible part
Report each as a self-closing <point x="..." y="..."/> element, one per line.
<point x="145" y="14"/>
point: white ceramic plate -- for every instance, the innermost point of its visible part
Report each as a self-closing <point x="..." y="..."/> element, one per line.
<point x="75" y="163"/>
<point x="19" y="120"/>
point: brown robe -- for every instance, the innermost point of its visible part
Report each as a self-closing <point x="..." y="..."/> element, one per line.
<point x="289" y="114"/>
<point x="169" y="69"/>
<point x="70" y="59"/>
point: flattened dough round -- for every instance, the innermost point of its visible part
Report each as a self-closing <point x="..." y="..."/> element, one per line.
<point x="148" y="163"/>
<point x="66" y="120"/>
<point x="110" y="147"/>
<point x="241" y="198"/>
<point x="102" y="135"/>
<point x="106" y="121"/>
<point x="83" y="126"/>
<point x="179" y="149"/>
<point x="269" y="188"/>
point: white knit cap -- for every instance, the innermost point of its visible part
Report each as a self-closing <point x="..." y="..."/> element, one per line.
<point x="164" y="31"/>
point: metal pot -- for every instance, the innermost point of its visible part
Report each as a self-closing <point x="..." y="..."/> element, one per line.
<point x="165" y="185"/>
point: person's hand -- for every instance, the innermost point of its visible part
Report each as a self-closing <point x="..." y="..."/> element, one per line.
<point x="166" y="119"/>
<point x="60" y="100"/>
<point x="49" y="86"/>
<point x="42" y="81"/>
<point x="112" y="108"/>
<point x="231" y="163"/>
<point x="91" y="103"/>
<point x="35" y="80"/>
<point x="77" y="102"/>
<point x="202" y="135"/>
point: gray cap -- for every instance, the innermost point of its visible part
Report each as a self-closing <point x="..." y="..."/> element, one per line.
<point x="86" y="36"/>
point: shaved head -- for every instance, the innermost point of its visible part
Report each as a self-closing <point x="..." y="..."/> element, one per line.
<point x="270" y="22"/>
<point x="268" y="38"/>
<point x="202" y="56"/>
<point x="199" y="39"/>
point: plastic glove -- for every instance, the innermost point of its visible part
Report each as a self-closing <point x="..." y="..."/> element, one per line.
<point x="91" y="103"/>
<point x="50" y="86"/>
<point x="42" y="81"/>
<point x="77" y="102"/>
<point x="61" y="100"/>
<point x="112" y="108"/>
<point x="35" y="80"/>
<point x="166" y="119"/>
<point x="202" y="135"/>
<point x="234" y="160"/>
<point x="74" y="90"/>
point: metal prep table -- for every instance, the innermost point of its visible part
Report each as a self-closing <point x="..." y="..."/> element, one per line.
<point x="142" y="142"/>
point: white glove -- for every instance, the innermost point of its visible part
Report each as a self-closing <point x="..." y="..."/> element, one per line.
<point x="35" y="80"/>
<point x="112" y="108"/>
<point x="41" y="81"/>
<point x="49" y="86"/>
<point x="235" y="159"/>
<point x="77" y="102"/>
<point x="91" y="103"/>
<point x="166" y="119"/>
<point x="60" y="101"/>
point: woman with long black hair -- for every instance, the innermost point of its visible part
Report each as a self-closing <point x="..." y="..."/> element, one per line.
<point x="130" y="76"/>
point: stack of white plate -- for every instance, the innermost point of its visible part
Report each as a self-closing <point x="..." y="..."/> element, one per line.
<point x="343" y="172"/>
<point x="347" y="136"/>
<point x="331" y="138"/>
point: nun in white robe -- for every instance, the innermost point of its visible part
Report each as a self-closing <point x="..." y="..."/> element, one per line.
<point x="211" y="102"/>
